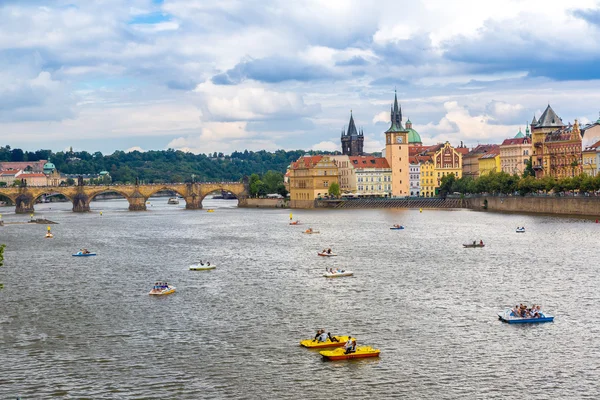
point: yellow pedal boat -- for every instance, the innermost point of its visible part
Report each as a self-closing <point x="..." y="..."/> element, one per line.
<point x="200" y="267"/>
<point x="339" y="354"/>
<point x="315" y="344"/>
<point x="162" y="292"/>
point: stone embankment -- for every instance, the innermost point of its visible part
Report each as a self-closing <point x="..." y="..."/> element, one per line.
<point x="391" y="203"/>
<point x="578" y="205"/>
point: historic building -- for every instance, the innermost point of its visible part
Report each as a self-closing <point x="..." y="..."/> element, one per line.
<point x="373" y="176"/>
<point x="556" y="147"/>
<point x="471" y="160"/>
<point x="590" y="133"/>
<point x="490" y="162"/>
<point x="591" y="159"/>
<point x="310" y="178"/>
<point x="515" y="153"/>
<point x="396" y="152"/>
<point x="346" y="174"/>
<point x="352" y="140"/>
<point x="415" y="176"/>
<point x="428" y="182"/>
<point x="436" y="162"/>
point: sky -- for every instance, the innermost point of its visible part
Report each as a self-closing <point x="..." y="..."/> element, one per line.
<point x="206" y="76"/>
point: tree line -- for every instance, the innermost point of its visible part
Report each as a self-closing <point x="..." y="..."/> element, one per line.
<point x="504" y="183"/>
<point x="160" y="166"/>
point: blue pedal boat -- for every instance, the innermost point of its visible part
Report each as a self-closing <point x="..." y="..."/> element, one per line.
<point x="82" y="254"/>
<point x="509" y="317"/>
<point x="397" y="228"/>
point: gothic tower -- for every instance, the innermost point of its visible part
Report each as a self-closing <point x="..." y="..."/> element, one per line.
<point x="352" y="140"/>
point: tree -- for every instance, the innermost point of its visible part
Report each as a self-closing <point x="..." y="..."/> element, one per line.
<point x="528" y="168"/>
<point x="446" y="184"/>
<point x="272" y="180"/>
<point x="17" y="155"/>
<point x="334" y="189"/>
<point x="70" y="181"/>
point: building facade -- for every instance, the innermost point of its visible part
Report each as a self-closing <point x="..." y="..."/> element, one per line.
<point x="352" y="140"/>
<point x="515" y="153"/>
<point x="310" y="178"/>
<point x="471" y="160"/>
<point x="373" y="176"/>
<point x="415" y="176"/>
<point x="346" y="174"/>
<point x="590" y="158"/>
<point x="556" y="147"/>
<point x="428" y="182"/>
<point x="396" y="152"/>
<point x="489" y="162"/>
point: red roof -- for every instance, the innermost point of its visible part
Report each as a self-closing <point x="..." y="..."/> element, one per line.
<point x="306" y="162"/>
<point x="414" y="150"/>
<point x="368" y="162"/>
<point x="490" y="154"/>
<point x="32" y="175"/>
<point x="419" y="159"/>
<point x="462" y="150"/>
<point x="523" y="140"/>
<point x="35" y="165"/>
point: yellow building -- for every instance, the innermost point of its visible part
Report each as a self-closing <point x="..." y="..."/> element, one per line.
<point x="428" y="183"/>
<point x="396" y="152"/>
<point x="489" y="162"/>
<point x="590" y="159"/>
<point x="310" y="178"/>
<point x="556" y="147"/>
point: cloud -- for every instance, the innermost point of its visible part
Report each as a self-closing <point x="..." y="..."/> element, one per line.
<point x="592" y="16"/>
<point x="326" y="146"/>
<point x="272" y="70"/>
<point x="134" y="148"/>
<point x="356" y="61"/>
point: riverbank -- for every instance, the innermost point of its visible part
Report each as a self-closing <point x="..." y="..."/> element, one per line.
<point x="565" y="206"/>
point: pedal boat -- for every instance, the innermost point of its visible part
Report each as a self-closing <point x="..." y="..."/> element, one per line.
<point x="327" y="254"/>
<point x="315" y="344"/>
<point x="520" y="230"/>
<point x="295" y="223"/>
<point x="200" y="267"/>
<point x="397" y="228"/>
<point x="310" y="232"/>
<point x="361" y="352"/>
<point x="82" y="254"/>
<point x="49" y="235"/>
<point x="210" y="210"/>
<point x="509" y="317"/>
<point x="471" y="246"/>
<point x="338" y="274"/>
<point x="168" y="290"/>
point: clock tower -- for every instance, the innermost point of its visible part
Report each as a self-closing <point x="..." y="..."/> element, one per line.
<point x="396" y="151"/>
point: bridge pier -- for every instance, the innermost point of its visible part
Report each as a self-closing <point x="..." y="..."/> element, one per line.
<point x="81" y="203"/>
<point x="24" y="204"/>
<point x="193" y="202"/>
<point x="137" y="202"/>
<point x="242" y="201"/>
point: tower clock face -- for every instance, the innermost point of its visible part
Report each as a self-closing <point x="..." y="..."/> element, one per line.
<point x="399" y="139"/>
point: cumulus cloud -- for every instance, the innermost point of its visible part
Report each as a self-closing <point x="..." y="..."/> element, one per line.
<point x="326" y="146"/>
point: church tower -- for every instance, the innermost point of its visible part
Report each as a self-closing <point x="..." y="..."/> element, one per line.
<point x="396" y="151"/>
<point x="352" y="140"/>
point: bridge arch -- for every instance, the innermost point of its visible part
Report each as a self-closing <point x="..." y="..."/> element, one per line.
<point x="179" y="189"/>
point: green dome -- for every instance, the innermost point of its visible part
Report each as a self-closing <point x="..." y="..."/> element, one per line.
<point x="519" y="135"/>
<point x="413" y="136"/>
<point x="49" y="166"/>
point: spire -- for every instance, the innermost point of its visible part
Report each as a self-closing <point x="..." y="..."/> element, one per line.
<point x="550" y="119"/>
<point x="534" y="121"/>
<point x="395" y="102"/>
<point x="352" y="127"/>
<point x="526" y="130"/>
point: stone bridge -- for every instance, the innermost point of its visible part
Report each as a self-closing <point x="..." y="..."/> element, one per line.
<point x="137" y="195"/>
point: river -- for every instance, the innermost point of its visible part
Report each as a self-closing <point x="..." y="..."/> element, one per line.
<point x="86" y="328"/>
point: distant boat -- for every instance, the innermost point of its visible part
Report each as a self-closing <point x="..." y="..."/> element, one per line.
<point x="173" y="200"/>
<point x="521" y="230"/>
<point x="397" y="227"/>
<point x="471" y="245"/>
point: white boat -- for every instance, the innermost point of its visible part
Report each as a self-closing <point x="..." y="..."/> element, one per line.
<point x="337" y="274"/>
<point x="173" y="200"/>
<point x="202" y="267"/>
<point x="521" y="230"/>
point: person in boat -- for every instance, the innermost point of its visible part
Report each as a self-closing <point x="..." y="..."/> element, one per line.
<point x="201" y="263"/>
<point x="474" y="242"/>
<point x="350" y="345"/>
<point x="208" y="263"/>
<point x="333" y="339"/>
<point x="328" y="251"/>
<point x="324" y="251"/>
<point x="321" y="336"/>
<point x="309" y="230"/>
<point x="481" y="242"/>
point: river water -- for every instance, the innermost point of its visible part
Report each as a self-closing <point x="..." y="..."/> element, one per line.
<point x="86" y="328"/>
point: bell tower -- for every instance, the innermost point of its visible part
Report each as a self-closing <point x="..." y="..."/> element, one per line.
<point x="396" y="151"/>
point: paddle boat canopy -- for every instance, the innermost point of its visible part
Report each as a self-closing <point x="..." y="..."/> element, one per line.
<point x="316" y="344"/>
<point x="340" y="353"/>
<point x="521" y="230"/>
<point x="510" y="317"/>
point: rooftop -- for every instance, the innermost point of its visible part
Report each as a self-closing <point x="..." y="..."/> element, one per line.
<point x="368" y="162"/>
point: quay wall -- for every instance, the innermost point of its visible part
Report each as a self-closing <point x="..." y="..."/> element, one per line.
<point x="265" y="203"/>
<point x="582" y="206"/>
<point x="416" y="202"/>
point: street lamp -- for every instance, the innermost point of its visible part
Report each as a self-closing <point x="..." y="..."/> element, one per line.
<point x="193" y="178"/>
